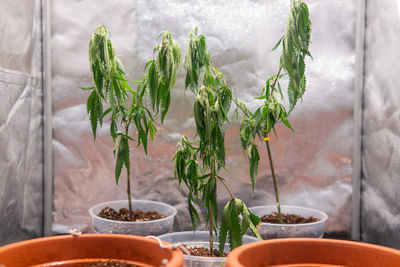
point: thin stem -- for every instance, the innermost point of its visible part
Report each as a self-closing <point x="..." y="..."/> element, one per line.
<point x="246" y="112"/>
<point x="128" y="191"/>
<point x="278" y="204"/>
<point x="210" y="239"/>
<point x="128" y="176"/>
<point x="226" y="186"/>
<point x="277" y="76"/>
<point x="210" y="214"/>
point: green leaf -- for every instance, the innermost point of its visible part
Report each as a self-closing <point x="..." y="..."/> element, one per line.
<point x="194" y="216"/>
<point x="153" y="85"/>
<point x="223" y="229"/>
<point x="148" y="63"/>
<point x="165" y="106"/>
<point x="254" y="222"/>
<point x="122" y="157"/>
<point x="87" y="88"/>
<point x="254" y="158"/>
<point x="94" y="110"/>
<point x="235" y="235"/>
<point x="277" y="44"/>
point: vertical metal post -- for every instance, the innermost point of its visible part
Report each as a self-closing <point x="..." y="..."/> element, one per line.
<point x="47" y="119"/>
<point x="357" y="119"/>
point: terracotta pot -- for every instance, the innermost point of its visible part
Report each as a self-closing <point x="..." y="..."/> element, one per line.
<point x="312" y="252"/>
<point x="67" y="250"/>
<point x="273" y="230"/>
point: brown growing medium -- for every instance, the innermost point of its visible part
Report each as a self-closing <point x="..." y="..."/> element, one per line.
<point x="123" y="215"/>
<point x="288" y="218"/>
<point x="110" y="264"/>
<point x="203" y="252"/>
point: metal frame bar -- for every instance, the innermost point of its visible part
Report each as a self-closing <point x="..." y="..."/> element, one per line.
<point x="357" y="119"/>
<point x="47" y="120"/>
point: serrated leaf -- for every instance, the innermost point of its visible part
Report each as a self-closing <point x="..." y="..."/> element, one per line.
<point x="254" y="159"/>
<point x="223" y="229"/>
<point x="165" y="106"/>
<point x="235" y="236"/>
<point x="153" y="85"/>
<point x="122" y="157"/>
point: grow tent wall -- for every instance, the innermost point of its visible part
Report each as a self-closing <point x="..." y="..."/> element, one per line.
<point x="318" y="166"/>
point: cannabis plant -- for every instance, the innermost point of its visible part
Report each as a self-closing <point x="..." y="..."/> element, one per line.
<point x="198" y="162"/>
<point x="295" y="47"/>
<point x="125" y="105"/>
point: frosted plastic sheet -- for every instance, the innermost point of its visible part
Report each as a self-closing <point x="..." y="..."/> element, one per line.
<point x="16" y="18"/>
<point x="380" y="219"/>
<point x="313" y="165"/>
<point x="21" y="161"/>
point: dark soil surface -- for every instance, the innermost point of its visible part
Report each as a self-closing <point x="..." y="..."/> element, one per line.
<point x="123" y="215"/>
<point x="110" y="264"/>
<point x="203" y="252"/>
<point x="287" y="218"/>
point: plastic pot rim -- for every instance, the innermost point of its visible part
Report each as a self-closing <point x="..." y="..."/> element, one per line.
<point x="322" y="220"/>
<point x="201" y="258"/>
<point x="174" y="211"/>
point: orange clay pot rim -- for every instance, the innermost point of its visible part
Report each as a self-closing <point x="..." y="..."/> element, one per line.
<point x="234" y="253"/>
<point x="323" y="219"/>
<point x="174" y="252"/>
<point x="133" y="223"/>
<point x="84" y="236"/>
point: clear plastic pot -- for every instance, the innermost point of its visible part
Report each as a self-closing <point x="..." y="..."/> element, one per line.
<point x="272" y="230"/>
<point x="156" y="227"/>
<point x="200" y="238"/>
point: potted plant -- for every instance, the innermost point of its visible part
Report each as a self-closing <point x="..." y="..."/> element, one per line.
<point x="312" y="252"/>
<point x="198" y="161"/>
<point x="259" y="125"/>
<point x="126" y="110"/>
<point x="89" y="250"/>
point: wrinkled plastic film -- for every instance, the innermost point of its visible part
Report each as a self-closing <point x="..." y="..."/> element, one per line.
<point x="380" y="221"/>
<point x="313" y="164"/>
<point x="21" y="161"/>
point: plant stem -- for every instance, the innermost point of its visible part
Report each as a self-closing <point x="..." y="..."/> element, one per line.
<point x="128" y="191"/>
<point x="277" y="76"/>
<point x="210" y="215"/>
<point x="128" y="177"/>
<point x="226" y="186"/>
<point x="278" y="204"/>
<point x="210" y="239"/>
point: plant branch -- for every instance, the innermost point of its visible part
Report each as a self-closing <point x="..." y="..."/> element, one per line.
<point x="277" y="76"/>
<point x="226" y="186"/>
<point x="278" y="204"/>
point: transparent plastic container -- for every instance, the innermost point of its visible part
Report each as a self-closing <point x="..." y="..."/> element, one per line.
<point x="200" y="238"/>
<point x="272" y="230"/>
<point x="156" y="227"/>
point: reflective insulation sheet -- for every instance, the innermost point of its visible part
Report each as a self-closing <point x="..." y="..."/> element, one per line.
<point x="21" y="161"/>
<point x="380" y="212"/>
<point x="313" y="164"/>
